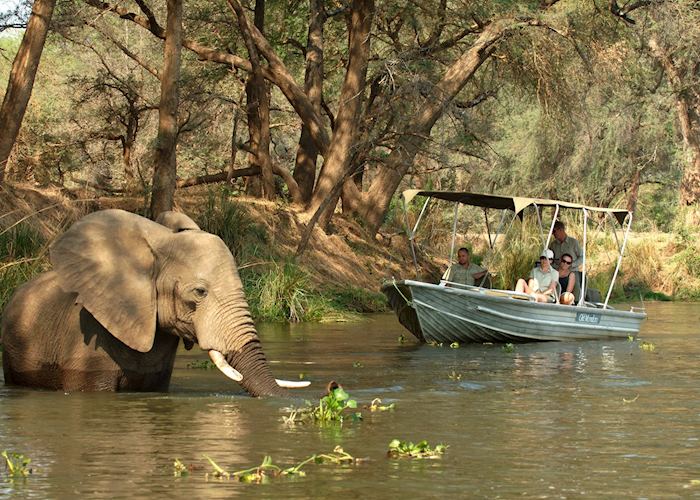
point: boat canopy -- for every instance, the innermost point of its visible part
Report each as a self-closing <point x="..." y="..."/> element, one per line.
<point x="515" y="203"/>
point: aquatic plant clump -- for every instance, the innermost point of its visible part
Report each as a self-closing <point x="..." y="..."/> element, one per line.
<point x="376" y="405"/>
<point x="261" y="474"/>
<point x="406" y="449"/>
<point x="16" y="464"/>
<point x="508" y="347"/>
<point x="201" y="364"/>
<point x="331" y="408"/>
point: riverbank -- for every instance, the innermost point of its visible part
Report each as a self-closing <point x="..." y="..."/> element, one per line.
<point x="339" y="274"/>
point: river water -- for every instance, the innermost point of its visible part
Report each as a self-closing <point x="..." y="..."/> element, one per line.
<point x="548" y="420"/>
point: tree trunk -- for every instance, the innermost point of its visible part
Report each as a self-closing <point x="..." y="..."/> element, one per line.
<point x="19" y="86"/>
<point x="634" y="192"/>
<point x="690" y="129"/>
<point x="307" y="153"/>
<point x="337" y="162"/>
<point x="258" y="102"/>
<point x="128" y="142"/>
<point x="165" y="172"/>
<point x="417" y="131"/>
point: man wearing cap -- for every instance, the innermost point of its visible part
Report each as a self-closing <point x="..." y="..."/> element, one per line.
<point x="543" y="280"/>
<point x="563" y="243"/>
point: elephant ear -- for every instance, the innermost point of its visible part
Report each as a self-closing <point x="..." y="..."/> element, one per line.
<point x="176" y="221"/>
<point x="107" y="259"/>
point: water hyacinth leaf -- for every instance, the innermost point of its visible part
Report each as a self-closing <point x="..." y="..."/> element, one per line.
<point x="340" y="394"/>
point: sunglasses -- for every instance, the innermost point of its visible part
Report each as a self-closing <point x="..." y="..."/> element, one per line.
<point x="567" y="262"/>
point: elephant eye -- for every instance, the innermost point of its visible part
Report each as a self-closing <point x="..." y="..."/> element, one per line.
<point x="200" y="292"/>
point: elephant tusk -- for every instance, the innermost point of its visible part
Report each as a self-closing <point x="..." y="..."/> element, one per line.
<point x="292" y="384"/>
<point x="221" y="363"/>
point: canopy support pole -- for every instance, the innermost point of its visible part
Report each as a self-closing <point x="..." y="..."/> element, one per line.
<point x="488" y="229"/>
<point x="411" y="233"/>
<point x="581" y="299"/>
<point x="551" y="227"/>
<point x="614" y="230"/>
<point x="619" y="259"/>
<point x="539" y="222"/>
<point x="454" y="232"/>
<point x="500" y="226"/>
<point x="420" y="216"/>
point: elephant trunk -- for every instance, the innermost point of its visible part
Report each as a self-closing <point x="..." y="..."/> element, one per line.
<point x="257" y="377"/>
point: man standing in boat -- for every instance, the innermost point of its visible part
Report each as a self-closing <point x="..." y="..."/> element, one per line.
<point x="563" y="243"/>
<point x="464" y="272"/>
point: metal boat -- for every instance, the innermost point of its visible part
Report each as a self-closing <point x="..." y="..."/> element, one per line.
<point x="450" y="312"/>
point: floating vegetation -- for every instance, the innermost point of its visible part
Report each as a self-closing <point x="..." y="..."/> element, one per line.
<point x="647" y="346"/>
<point x="508" y="347"/>
<point x="435" y="344"/>
<point x="692" y="483"/>
<point x="376" y="405"/>
<point x="454" y="345"/>
<point x="331" y="408"/>
<point x="630" y="338"/>
<point x="357" y="364"/>
<point x="454" y="376"/>
<point x="402" y="339"/>
<point x="627" y="401"/>
<point x="262" y="473"/>
<point x="403" y="449"/>
<point x="17" y="465"/>
<point x="179" y="469"/>
<point x="201" y="364"/>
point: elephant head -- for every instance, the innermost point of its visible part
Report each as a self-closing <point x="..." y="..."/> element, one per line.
<point x="136" y="276"/>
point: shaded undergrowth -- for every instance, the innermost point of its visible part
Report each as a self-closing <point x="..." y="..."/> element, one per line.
<point x="278" y="289"/>
<point x="23" y="255"/>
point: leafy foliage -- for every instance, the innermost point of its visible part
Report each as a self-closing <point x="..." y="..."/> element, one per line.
<point x="406" y="449"/>
<point x="17" y="465"/>
<point x="261" y="474"/>
<point x="331" y="408"/>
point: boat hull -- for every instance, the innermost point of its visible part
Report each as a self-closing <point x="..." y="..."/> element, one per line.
<point x="435" y="313"/>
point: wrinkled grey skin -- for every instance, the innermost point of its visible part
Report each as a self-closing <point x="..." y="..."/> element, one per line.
<point x="123" y="291"/>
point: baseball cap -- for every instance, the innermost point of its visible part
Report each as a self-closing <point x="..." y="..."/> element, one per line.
<point x="547" y="253"/>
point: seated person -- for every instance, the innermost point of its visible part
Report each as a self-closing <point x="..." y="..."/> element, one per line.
<point x="568" y="280"/>
<point x="543" y="280"/>
<point x="464" y="272"/>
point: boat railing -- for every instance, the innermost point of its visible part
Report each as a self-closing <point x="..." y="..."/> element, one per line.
<point x="488" y="291"/>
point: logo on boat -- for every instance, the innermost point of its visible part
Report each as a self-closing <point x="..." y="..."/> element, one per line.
<point x="585" y="317"/>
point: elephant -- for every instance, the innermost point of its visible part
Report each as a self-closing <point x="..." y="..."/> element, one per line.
<point x="122" y="292"/>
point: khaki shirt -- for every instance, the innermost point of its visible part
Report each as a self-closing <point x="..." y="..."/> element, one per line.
<point x="569" y="245"/>
<point x="465" y="276"/>
<point x="544" y="279"/>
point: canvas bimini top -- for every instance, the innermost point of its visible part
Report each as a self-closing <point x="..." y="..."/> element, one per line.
<point x="515" y="203"/>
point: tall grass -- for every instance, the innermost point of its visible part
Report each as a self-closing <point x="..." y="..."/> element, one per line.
<point x="231" y="221"/>
<point x="23" y="255"/>
<point x="518" y="250"/>
<point x="283" y="292"/>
